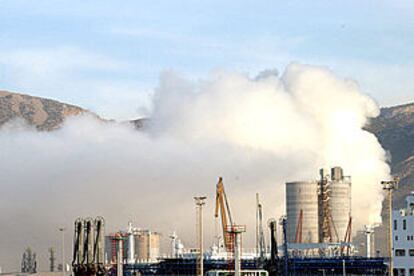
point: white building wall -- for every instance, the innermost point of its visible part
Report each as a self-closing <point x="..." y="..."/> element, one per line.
<point x="403" y="239"/>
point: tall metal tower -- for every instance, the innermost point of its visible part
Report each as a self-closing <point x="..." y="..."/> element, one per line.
<point x="200" y="201"/>
<point x="390" y="186"/>
<point x="325" y="217"/>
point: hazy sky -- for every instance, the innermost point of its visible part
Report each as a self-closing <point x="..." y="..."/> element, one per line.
<point x="107" y="55"/>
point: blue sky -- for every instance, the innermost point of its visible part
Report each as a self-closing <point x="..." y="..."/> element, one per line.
<point x="107" y="55"/>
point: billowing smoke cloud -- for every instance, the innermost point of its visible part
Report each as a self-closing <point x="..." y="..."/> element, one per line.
<point x="256" y="133"/>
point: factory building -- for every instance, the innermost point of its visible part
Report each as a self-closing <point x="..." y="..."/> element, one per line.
<point x="319" y="211"/>
<point x="403" y="239"/>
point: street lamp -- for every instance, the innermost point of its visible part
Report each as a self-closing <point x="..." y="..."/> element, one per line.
<point x="62" y="229"/>
<point x="200" y="201"/>
<point x="390" y="186"/>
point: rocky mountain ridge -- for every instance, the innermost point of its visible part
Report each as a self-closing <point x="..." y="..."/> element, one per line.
<point x="44" y="114"/>
<point x="394" y="129"/>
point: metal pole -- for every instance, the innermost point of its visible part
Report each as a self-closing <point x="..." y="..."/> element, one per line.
<point x="236" y="255"/>
<point x="257" y="224"/>
<point x="119" y="256"/>
<point x="285" y="245"/>
<point x="62" y="229"/>
<point x="237" y="266"/>
<point x="200" y="201"/>
<point x="390" y="231"/>
<point x="201" y="242"/>
<point x="390" y="186"/>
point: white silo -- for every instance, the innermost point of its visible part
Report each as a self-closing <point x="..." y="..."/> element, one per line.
<point x="302" y="196"/>
<point x="339" y="202"/>
<point x="147" y="245"/>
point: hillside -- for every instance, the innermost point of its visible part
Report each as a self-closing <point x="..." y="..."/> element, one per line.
<point x="395" y="131"/>
<point x="42" y="113"/>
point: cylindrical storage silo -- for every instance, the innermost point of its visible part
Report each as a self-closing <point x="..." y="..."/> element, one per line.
<point x="142" y="246"/>
<point x="303" y="196"/>
<point x="147" y="245"/>
<point x="340" y="205"/>
<point x="154" y="246"/>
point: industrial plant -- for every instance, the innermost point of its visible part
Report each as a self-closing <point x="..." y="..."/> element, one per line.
<point x="316" y="239"/>
<point x="319" y="213"/>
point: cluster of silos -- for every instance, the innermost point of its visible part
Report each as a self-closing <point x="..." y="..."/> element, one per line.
<point x="138" y="245"/>
<point x="319" y="211"/>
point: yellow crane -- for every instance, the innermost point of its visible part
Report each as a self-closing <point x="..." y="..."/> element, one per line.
<point x="222" y="205"/>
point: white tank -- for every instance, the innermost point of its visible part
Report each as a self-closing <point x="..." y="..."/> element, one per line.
<point x="302" y="196"/>
<point x="340" y="202"/>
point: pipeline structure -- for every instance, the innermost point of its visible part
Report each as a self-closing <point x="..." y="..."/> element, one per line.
<point x="88" y="247"/>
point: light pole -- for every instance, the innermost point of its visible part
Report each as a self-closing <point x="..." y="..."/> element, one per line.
<point x="390" y="186"/>
<point x="62" y="229"/>
<point x="200" y="201"/>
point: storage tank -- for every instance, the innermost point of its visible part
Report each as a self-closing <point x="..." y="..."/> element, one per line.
<point x="340" y="201"/>
<point x="147" y="245"/>
<point x="302" y="195"/>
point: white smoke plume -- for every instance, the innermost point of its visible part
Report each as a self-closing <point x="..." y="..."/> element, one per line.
<point x="257" y="133"/>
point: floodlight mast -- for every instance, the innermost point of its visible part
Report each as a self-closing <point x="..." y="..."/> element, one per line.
<point x="200" y="201"/>
<point x="390" y="186"/>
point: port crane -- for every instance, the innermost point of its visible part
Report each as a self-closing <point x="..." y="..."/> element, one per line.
<point x="222" y="206"/>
